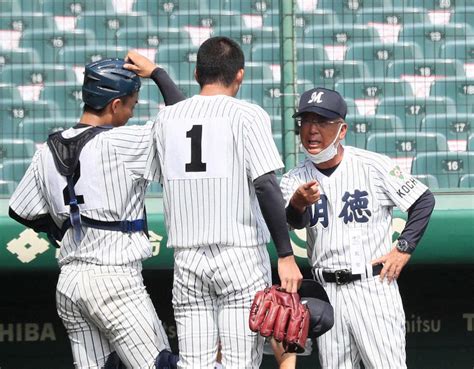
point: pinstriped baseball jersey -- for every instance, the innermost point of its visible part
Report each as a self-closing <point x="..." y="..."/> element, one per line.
<point x="355" y="208"/>
<point x="349" y="227"/>
<point x="100" y="295"/>
<point x="206" y="152"/>
<point x="108" y="189"/>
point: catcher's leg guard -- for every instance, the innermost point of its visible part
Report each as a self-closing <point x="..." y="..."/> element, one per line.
<point x="113" y="362"/>
<point x="166" y="360"/>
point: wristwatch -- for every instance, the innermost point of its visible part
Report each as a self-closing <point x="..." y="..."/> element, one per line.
<point x="403" y="246"/>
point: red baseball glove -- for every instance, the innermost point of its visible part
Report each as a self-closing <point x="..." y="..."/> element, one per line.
<point x="280" y="314"/>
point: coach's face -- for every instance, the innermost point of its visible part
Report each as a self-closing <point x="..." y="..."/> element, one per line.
<point x="318" y="132"/>
<point x="123" y="109"/>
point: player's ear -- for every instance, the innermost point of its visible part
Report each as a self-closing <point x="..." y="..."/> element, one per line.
<point x="115" y="105"/>
<point x="239" y="77"/>
<point x="343" y="132"/>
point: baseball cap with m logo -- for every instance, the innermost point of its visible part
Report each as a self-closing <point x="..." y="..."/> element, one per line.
<point x="322" y="101"/>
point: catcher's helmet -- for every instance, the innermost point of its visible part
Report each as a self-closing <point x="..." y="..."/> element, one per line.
<point x="320" y="309"/>
<point x="105" y="80"/>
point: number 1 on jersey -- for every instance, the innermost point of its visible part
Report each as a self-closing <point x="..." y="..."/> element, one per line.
<point x="196" y="164"/>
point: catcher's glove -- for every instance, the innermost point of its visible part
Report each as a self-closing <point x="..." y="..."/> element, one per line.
<point x="280" y="314"/>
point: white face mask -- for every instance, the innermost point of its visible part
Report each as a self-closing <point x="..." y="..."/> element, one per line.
<point x="325" y="155"/>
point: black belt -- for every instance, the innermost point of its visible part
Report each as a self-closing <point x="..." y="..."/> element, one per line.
<point x="344" y="276"/>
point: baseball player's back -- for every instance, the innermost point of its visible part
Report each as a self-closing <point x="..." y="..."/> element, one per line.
<point x="106" y="191"/>
<point x="210" y="149"/>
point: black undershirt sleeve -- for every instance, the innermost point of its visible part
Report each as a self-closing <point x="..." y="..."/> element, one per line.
<point x="418" y="217"/>
<point x="43" y="223"/>
<point x="171" y="93"/>
<point x="295" y="218"/>
<point x="272" y="205"/>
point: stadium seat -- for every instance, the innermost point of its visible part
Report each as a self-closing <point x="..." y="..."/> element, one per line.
<point x="181" y="57"/>
<point x="270" y="52"/>
<point x="10" y="6"/>
<point x="25" y="21"/>
<point x="48" y="43"/>
<point x="455" y="126"/>
<point x="278" y="139"/>
<point x="430" y="37"/>
<point x="447" y="166"/>
<point x="67" y="96"/>
<point x="166" y="7"/>
<point x="13" y="169"/>
<point x="151" y="38"/>
<point x="73" y="7"/>
<point x="368" y="92"/>
<point x="13" y="112"/>
<point x="251" y="7"/>
<point x="336" y="38"/>
<point x="9" y="92"/>
<point x="306" y="19"/>
<point x="462" y="50"/>
<point x="309" y="18"/>
<point x="355" y="6"/>
<point x="466" y="181"/>
<point x="397" y="15"/>
<point x="439" y="5"/>
<point x="428" y="180"/>
<point x="412" y="110"/>
<point x="463" y="14"/>
<point x="18" y="56"/>
<point x="28" y="6"/>
<point x="403" y="146"/>
<point x="437" y="68"/>
<point x="378" y="55"/>
<point x="361" y="126"/>
<point x="104" y="25"/>
<point x="265" y="93"/>
<point x="460" y="89"/>
<point x="421" y="73"/>
<point x="258" y="71"/>
<point x="76" y="57"/>
<point x="38" y="130"/>
<point x="159" y="11"/>
<point x="406" y="143"/>
<point x="32" y="74"/>
<point x="209" y="18"/>
<point x="146" y="110"/>
<point x="13" y="148"/>
<point x="470" y="142"/>
<point x="247" y="37"/>
<point x="6" y="187"/>
<point x="327" y="73"/>
<point x="149" y="90"/>
<point x="277" y="124"/>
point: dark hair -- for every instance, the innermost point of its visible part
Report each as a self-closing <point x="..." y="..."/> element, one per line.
<point x="218" y="61"/>
<point x="90" y="109"/>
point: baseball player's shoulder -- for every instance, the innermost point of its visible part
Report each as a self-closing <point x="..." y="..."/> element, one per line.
<point x="247" y="108"/>
<point x="368" y="158"/>
<point x="130" y="131"/>
<point x="298" y="169"/>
